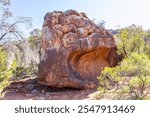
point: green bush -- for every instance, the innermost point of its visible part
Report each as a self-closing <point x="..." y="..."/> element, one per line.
<point x="5" y="72"/>
<point x="35" y="41"/>
<point x="129" y="80"/>
<point x="22" y="71"/>
<point x="130" y="39"/>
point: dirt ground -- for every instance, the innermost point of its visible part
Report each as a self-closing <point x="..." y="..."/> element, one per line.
<point x="30" y="90"/>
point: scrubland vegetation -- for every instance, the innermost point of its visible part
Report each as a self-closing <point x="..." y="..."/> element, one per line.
<point x="130" y="79"/>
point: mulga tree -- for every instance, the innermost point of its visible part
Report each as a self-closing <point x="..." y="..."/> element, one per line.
<point x="130" y="39"/>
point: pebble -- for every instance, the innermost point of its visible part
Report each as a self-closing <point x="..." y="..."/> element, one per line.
<point x="43" y="91"/>
<point x="30" y="87"/>
<point x="35" y="91"/>
<point x="48" y="94"/>
<point x="28" y="95"/>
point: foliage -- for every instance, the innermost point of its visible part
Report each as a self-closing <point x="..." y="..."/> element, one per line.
<point x="35" y="38"/>
<point x="24" y="68"/>
<point x="5" y="2"/>
<point x="3" y="69"/>
<point x="22" y="71"/>
<point x="147" y="43"/>
<point x="5" y="72"/>
<point x="129" y="80"/>
<point x="35" y="32"/>
<point x="8" y="31"/>
<point x="130" y="39"/>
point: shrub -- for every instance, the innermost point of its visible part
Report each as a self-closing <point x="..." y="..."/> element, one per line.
<point x="22" y="71"/>
<point x="5" y="72"/>
<point x="130" y="39"/>
<point x="129" y="80"/>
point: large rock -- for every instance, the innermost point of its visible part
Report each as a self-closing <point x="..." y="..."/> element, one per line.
<point x="74" y="50"/>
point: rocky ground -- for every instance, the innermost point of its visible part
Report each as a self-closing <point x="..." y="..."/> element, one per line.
<point x="29" y="90"/>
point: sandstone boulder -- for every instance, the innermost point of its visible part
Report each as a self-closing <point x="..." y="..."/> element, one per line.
<point x="74" y="51"/>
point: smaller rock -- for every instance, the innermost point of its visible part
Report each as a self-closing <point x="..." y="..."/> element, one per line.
<point x="35" y="91"/>
<point x="43" y="91"/>
<point x="30" y="87"/>
<point x="47" y="95"/>
<point x="28" y="95"/>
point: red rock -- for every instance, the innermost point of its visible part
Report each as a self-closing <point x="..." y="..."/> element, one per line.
<point x="69" y="28"/>
<point x="58" y="30"/>
<point x="75" y="51"/>
<point x="84" y="14"/>
<point x="71" y="12"/>
<point x="82" y="32"/>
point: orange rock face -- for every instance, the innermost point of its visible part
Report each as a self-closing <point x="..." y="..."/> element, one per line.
<point x="75" y="51"/>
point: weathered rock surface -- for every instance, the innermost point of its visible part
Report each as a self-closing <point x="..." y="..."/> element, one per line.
<point x="74" y="50"/>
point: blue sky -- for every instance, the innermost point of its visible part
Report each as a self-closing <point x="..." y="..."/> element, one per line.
<point x="115" y="12"/>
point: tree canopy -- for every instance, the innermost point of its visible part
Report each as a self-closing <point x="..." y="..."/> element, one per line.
<point x="130" y="39"/>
